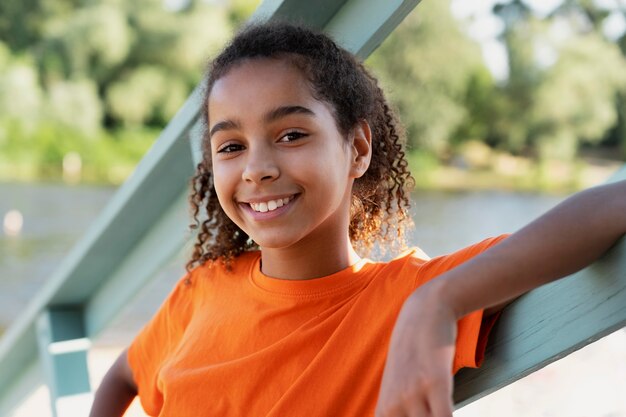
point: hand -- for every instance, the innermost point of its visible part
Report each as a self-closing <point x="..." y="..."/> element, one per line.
<point x="417" y="380"/>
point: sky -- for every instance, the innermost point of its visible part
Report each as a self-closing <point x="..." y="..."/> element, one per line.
<point x="484" y="27"/>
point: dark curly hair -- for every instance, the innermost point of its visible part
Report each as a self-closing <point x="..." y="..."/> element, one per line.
<point x="380" y="202"/>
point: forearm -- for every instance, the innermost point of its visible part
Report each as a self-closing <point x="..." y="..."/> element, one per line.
<point x="116" y="391"/>
<point x="564" y="240"/>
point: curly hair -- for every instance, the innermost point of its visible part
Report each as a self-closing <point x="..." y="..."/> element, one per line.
<point x="380" y="198"/>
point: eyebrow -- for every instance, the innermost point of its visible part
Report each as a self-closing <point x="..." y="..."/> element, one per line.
<point x="284" y="111"/>
<point x="224" y="125"/>
<point x="271" y="116"/>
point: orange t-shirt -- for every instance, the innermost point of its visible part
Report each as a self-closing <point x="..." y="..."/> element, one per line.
<point x="241" y="343"/>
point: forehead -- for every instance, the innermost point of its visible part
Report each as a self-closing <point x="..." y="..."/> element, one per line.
<point x="258" y="84"/>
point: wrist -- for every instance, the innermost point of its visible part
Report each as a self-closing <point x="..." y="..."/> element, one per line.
<point x="438" y="296"/>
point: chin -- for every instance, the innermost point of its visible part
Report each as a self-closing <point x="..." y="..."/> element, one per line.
<point x="275" y="242"/>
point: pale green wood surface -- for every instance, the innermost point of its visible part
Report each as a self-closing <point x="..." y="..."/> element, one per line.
<point x="30" y="378"/>
<point x="551" y="322"/>
<point x="312" y="13"/>
<point x="370" y="20"/>
<point x="144" y="223"/>
<point x="63" y="348"/>
<point x="153" y="251"/>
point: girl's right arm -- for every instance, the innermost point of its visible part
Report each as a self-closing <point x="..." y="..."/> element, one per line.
<point x="116" y="391"/>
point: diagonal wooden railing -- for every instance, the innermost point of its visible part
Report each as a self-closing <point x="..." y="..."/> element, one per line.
<point x="551" y="322"/>
<point x="145" y="225"/>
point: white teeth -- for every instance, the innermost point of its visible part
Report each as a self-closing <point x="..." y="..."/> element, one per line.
<point x="270" y="205"/>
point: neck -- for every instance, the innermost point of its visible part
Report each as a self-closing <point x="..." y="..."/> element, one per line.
<point x="313" y="261"/>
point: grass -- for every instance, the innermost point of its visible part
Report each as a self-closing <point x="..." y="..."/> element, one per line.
<point x="55" y="154"/>
<point x="475" y="169"/>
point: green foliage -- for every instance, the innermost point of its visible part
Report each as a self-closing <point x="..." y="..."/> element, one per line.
<point x="512" y="128"/>
<point x="181" y="42"/>
<point x="426" y="66"/>
<point x="100" y="78"/>
<point x="21" y="97"/>
<point x="106" y="157"/>
<point x="75" y="104"/>
<point x="92" y="42"/>
<point x="555" y="107"/>
<point x="575" y="104"/>
<point x="78" y="54"/>
<point x="481" y="103"/>
<point x="145" y="94"/>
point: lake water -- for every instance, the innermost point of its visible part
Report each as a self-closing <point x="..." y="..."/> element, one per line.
<point x="589" y="383"/>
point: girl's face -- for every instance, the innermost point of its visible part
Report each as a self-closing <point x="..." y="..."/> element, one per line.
<point x="282" y="171"/>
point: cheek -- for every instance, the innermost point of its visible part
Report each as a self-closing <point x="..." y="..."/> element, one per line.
<point x="223" y="184"/>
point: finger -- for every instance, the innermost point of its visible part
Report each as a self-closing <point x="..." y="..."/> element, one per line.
<point x="418" y="409"/>
<point x="385" y="410"/>
<point x="440" y="402"/>
<point x="397" y="411"/>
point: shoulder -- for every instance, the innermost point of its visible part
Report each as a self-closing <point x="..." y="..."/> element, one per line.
<point x="477" y="248"/>
<point x="444" y="263"/>
<point x="420" y="267"/>
<point x="412" y="257"/>
<point x="407" y="262"/>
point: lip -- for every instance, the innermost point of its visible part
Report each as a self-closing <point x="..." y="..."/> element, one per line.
<point x="268" y="198"/>
<point x="268" y="215"/>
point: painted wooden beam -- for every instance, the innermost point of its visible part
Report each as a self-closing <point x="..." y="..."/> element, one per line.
<point x="168" y="235"/>
<point x="311" y="13"/>
<point x="29" y="378"/>
<point x="368" y="23"/>
<point x="63" y="348"/>
<point x="551" y="322"/>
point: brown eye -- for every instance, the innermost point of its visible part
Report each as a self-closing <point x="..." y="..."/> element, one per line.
<point x="230" y="148"/>
<point x="292" y="136"/>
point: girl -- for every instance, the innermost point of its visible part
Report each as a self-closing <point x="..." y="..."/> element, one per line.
<point x="279" y="315"/>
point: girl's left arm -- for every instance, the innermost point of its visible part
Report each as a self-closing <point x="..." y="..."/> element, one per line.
<point x="417" y="380"/>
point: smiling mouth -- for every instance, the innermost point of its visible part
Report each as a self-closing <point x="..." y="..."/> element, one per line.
<point x="270" y="205"/>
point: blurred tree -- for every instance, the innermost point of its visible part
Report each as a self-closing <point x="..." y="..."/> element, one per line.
<point x="562" y="90"/>
<point x="67" y="99"/>
<point x="21" y="97"/>
<point x="113" y="44"/>
<point x="145" y="94"/>
<point x="426" y="65"/>
<point x="575" y="103"/>
<point x="181" y="42"/>
<point x="512" y="127"/>
<point x="481" y="101"/>
<point x="91" y="42"/>
<point x="128" y="66"/>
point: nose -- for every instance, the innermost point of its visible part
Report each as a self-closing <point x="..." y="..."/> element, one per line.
<point x="261" y="165"/>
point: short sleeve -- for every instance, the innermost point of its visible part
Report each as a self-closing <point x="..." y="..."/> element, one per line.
<point x="471" y="340"/>
<point x="159" y="339"/>
<point x="473" y="329"/>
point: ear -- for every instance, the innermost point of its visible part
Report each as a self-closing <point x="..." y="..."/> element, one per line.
<point x="361" y="148"/>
